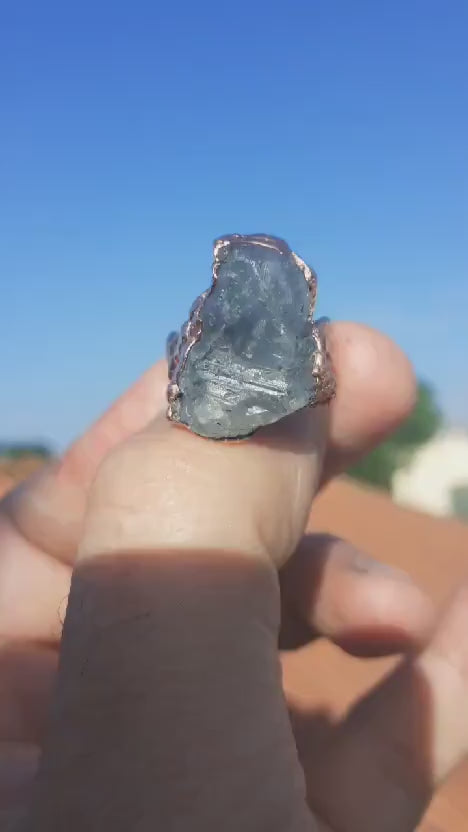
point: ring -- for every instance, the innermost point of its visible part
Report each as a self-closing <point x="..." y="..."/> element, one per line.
<point x="251" y="352"/>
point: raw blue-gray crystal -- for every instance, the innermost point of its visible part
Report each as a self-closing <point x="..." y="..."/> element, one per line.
<point x="253" y="362"/>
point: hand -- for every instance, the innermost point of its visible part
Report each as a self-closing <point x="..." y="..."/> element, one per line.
<point x="178" y="550"/>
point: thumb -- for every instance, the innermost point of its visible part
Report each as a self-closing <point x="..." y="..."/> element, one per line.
<point x="169" y="705"/>
<point x="169" y="488"/>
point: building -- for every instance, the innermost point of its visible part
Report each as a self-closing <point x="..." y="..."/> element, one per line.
<point x="436" y="479"/>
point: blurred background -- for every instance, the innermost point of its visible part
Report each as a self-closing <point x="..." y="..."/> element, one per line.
<point x="133" y="134"/>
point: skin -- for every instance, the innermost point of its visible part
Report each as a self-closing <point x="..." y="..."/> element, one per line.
<point x="189" y="563"/>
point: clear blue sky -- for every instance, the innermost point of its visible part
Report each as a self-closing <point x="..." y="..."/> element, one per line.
<point x="133" y="133"/>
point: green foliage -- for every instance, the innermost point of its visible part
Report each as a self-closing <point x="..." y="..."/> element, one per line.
<point x="378" y="467"/>
<point x="19" y="450"/>
<point x="423" y="422"/>
<point x="460" y="502"/>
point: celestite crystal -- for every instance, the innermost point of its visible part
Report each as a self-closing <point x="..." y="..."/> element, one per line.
<point x="252" y="363"/>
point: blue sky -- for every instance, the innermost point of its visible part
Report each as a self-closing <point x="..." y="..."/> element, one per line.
<point x="134" y="133"/>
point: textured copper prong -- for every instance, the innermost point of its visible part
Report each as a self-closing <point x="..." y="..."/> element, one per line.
<point x="173" y="392"/>
<point x="264" y="240"/>
<point x="311" y="279"/>
<point x="322" y="368"/>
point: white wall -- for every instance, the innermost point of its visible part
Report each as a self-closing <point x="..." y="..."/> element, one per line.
<point x="436" y="468"/>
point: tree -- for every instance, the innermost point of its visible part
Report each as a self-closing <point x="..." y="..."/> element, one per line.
<point x="20" y="450"/>
<point x="460" y="502"/>
<point x="378" y="467"/>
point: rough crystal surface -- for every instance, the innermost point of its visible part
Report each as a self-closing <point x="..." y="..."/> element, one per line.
<point x="252" y="364"/>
